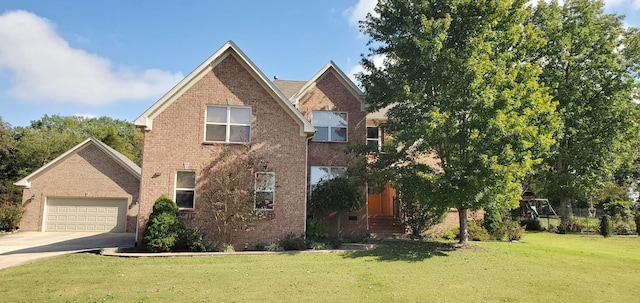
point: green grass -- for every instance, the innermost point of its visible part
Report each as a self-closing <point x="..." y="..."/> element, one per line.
<point x="543" y="267"/>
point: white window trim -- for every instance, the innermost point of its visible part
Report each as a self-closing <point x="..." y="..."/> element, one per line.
<point x="176" y="188"/>
<point x="330" y="127"/>
<point x="273" y="191"/>
<point x="227" y="124"/>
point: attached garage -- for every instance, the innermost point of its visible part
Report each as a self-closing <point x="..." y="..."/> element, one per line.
<point x="101" y="215"/>
<point x="91" y="188"/>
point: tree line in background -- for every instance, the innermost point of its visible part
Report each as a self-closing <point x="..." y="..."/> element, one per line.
<point x="504" y="95"/>
<point x="25" y="149"/>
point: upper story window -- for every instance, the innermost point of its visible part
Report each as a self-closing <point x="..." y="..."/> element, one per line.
<point x="229" y="124"/>
<point x="374" y="137"/>
<point x="330" y="126"/>
<point x="265" y="190"/>
<point x="321" y="173"/>
<point x="185" y="189"/>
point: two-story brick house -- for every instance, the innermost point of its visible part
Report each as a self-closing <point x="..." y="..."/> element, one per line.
<point x="302" y="128"/>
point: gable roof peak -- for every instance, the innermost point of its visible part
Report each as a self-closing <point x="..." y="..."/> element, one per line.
<point x="145" y="121"/>
<point x="116" y="156"/>
<point x="331" y="67"/>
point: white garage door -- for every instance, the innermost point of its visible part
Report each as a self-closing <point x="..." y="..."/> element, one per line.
<point x="101" y="215"/>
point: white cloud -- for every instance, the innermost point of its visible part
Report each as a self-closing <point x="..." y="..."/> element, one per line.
<point x="626" y="4"/>
<point x="86" y="116"/>
<point x="44" y="67"/>
<point x="378" y="61"/>
<point x="359" y="11"/>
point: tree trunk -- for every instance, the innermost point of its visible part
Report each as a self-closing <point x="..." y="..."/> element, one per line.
<point x="462" y="216"/>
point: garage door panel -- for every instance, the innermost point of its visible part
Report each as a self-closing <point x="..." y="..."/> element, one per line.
<point x="98" y="215"/>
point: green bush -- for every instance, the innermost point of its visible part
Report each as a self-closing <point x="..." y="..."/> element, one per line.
<point x="10" y="215"/>
<point x="274" y="247"/>
<point x="293" y="242"/>
<point x="316" y="232"/>
<point x="477" y="232"/>
<point x="335" y="195"/>
<point x="514" y="230"/>
<point x="493" y="222"/>
<point x="192" y="239"/>
<point x="637" y="219"/>
<point x="163" y="227"/>
<point x="605" y="226"/>
<point x="622" y="228"/>
<point x="450" y="234"/>
<point x="422" y="216"/>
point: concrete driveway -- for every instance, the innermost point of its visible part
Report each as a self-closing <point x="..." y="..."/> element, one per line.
<point x="24" y="247"/>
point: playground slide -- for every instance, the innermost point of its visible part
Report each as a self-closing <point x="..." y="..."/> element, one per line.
<point x="533" y="211"/>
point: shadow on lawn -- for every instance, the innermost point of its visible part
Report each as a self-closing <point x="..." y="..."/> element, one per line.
<point x="412" y="251"/>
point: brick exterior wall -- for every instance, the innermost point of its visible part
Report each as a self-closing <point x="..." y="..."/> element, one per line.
<point x="176" y="142"/>
<point x="330" y="93"/>
<point x="88" y="173"/>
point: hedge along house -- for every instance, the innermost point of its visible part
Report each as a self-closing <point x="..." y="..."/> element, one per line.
<point x="91" y="187"/>
<point x="225" y="103"/>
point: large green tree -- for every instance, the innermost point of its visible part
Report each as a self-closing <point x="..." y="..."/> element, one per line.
<point x="458" y="83"/>
<point x="590" y="62"/>
<point x="45" y="139"/>
<point x="8" y="171"/>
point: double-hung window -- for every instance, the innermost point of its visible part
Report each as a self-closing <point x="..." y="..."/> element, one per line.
<point x="265" y="190"/>
<point x="330" y="126"/>
<point x="374" y="137"/>
<point x="185" y="189"/>
<point x="322" y="173"/>
<point x="230" y="124"/>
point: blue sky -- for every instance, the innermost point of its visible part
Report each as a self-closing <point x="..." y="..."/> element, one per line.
<point x="116" y="58"/>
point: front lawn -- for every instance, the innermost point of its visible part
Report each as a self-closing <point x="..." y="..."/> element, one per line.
<point x="543" y="267"/>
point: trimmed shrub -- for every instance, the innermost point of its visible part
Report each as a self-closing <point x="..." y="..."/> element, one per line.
<point x="163" y="227"/>
<point x="605" y="226"/>
<point x="292" y="242"/>
<point x="514" y="230"/>
<point x="637" y="219"/>
<point x="477" y="232"/>
<point x="422" y="216"/>
<point x="10" y="215"/>
<point x="192" y="239"/>
<point x="274" y="247"/>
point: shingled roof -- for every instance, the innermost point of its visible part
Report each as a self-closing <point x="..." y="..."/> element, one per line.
<point x="289" y="87"/>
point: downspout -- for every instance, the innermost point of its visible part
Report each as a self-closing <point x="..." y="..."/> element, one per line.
<point x="306" y="183"/>
<point x="135" y="244"/>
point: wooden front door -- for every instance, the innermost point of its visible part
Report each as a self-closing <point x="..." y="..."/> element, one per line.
<point x="382" y="203"/>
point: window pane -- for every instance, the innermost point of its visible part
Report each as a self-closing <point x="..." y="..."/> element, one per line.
<point x="319" y="173"/>
<point x="339" y="134"/>
<point x="322" y="134"/>
<point x="216" y="132"/>
<point x="241" y="115"/>
<point x="265" y="181"/>
<point x="320" y="118"/>
<point x="373" y="144"/>
<point x="239" y="133"/>
<point x="338" y="119"/>
<point x="216" y="114"/>
<point x="186" y="179"/>
<point x="372" y="133"/>
<point x="184" y="198"/>
<point x="264" y="200"/>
